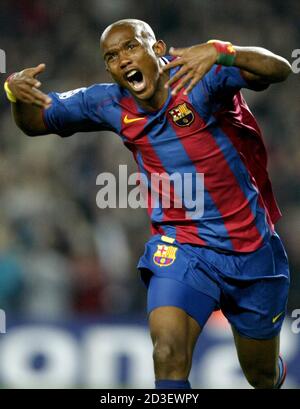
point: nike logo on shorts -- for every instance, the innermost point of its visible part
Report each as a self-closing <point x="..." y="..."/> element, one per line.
<point x="277" y="317"/>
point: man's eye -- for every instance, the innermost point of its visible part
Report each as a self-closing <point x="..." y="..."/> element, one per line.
<point x="131" y="46"/>
<point x="111" y="57"/>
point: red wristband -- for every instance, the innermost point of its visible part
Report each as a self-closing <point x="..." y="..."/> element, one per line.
<point x="226" y="52"/>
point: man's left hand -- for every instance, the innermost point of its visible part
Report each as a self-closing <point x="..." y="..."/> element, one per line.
<point x="195" y="62"/>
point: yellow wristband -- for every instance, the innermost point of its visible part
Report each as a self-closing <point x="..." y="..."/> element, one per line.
<point x="9" y="94"/>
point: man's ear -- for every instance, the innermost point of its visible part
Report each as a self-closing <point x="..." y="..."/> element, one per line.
<point x="159" y="48"/>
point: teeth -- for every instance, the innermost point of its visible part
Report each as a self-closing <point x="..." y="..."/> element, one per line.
<point x="131" y="73"/>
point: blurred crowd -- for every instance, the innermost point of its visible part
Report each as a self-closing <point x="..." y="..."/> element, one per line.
<point x="60" y="255"/>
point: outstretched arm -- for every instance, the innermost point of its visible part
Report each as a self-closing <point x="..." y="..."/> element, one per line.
<point x="30" y="101"/>
<point x="259" y="66"/>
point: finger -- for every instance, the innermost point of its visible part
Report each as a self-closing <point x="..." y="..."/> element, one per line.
<point x="33" y="82"/>
<point x="41" y="105"/>
<point x="182" y="83"/>
<point x="37" y="95"/>
<point x="32" y="99"/>
<point x="29" y="99"/>
<point x="32" y="72"/>
<point x="177" y="51"/>
<point x="38" y="69"/>
<point x="25" y="98"/>
<point x="192" y="84"/>
<point x="172" y="64"/>
<point x="41" y="96"/>
<point x="31" y="95"/>
<point x="176" y="77"/>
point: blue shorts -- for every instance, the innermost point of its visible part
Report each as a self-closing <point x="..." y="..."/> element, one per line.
<point x="251" y="289"/>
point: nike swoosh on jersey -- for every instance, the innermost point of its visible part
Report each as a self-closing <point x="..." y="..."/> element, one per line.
<point x="276" y="317"/>
<point x="130" y="120"/>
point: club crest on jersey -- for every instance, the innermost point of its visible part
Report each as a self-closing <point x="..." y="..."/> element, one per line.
<point x="182" y="115"/>
<point x="164" y="255"/>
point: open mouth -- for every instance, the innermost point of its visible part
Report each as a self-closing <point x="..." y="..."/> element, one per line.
<point x="136" y="80"/>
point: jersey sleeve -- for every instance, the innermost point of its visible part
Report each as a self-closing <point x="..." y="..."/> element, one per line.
<point x="77" y="111"/>
<point x="222" y="80"/>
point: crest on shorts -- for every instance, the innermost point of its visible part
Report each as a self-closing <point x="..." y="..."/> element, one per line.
<point x="164" y="255"/>
<point x="182" y="115"/>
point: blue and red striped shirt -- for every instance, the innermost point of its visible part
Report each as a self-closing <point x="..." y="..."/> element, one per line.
<point x="209" y="131"/>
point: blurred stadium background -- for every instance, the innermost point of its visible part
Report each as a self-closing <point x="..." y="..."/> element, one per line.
<point x="75" y="307"/>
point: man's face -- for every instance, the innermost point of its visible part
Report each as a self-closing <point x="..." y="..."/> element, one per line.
<point x="131" y="61"/>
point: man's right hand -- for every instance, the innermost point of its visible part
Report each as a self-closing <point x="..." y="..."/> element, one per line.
<point x="24" y="87"/>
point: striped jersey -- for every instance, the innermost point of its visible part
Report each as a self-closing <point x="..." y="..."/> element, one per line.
<point x="210" y="131"/>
